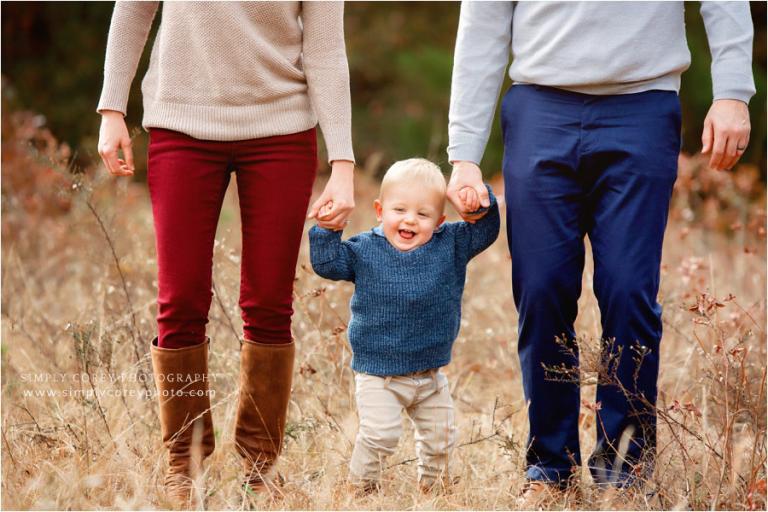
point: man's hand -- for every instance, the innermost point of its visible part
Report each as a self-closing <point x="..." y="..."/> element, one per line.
<point x="336" y="202"/>
<point x="726" y="133"/>
<point x="467" y="175"/>
<point x="113" y="135"/>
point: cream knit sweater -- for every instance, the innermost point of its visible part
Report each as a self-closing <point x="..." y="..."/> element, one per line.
<point x="235" y="70"/>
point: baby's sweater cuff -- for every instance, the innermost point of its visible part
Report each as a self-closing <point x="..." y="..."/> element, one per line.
<point x="322" y="244"/>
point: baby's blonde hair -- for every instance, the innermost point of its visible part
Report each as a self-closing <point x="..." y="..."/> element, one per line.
<point x="419" y="171"/>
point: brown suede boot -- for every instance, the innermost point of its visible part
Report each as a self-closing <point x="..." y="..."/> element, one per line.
<point x="181" y="378"/>
<point x="266" y="373"/>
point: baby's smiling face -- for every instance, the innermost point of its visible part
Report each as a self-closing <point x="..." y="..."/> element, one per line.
<point x="409" y="214"/>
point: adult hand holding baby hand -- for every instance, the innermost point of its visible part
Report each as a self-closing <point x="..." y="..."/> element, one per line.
<point x="466" y="190"/>
<point x="469" y="199"/>
<point x="335" y="204"/>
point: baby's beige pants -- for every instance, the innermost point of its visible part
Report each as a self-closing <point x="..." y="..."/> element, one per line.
<point x="426" y="398"/>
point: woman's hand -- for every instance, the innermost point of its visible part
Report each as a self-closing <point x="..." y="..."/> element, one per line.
<point x="113" y="135"/>
<point x="336" y="202"/>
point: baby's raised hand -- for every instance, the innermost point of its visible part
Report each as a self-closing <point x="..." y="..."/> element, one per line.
<point x="323" y="216"/>
<point x="325" y="210"/>
<point x="469" y="198"/>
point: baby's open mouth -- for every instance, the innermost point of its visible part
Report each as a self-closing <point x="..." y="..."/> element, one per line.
<point x="406" y="233"/>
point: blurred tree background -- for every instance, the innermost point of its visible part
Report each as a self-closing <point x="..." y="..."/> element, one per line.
<point x="400" y="57"/>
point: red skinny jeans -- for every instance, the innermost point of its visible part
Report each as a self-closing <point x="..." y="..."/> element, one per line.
<point x="187" y="179"/>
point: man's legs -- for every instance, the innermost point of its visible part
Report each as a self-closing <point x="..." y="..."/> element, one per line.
<point x="545" y="232"/>
<point x="631" y="150"/>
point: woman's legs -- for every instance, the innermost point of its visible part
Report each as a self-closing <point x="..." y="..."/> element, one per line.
<point x="187" y="179"/>
<point x="274" y="183"/>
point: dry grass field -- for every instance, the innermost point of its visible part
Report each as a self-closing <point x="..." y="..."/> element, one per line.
<point x="78" y="292"/>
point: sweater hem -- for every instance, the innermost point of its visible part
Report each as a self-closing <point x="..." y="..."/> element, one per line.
<point x="669" y="82"/>
<point x="231" y="122"/>
<point x="402" y="370"/>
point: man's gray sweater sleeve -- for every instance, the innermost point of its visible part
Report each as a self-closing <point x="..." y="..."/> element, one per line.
<point x="480" y="60"/>
<point x="729" y="32"/>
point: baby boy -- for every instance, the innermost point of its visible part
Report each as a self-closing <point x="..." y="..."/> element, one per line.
<point x="409" y="275"/>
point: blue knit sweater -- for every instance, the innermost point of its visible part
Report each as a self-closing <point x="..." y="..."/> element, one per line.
<point x="406" y="308"/>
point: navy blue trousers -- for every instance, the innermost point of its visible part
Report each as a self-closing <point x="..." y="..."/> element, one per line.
<point x="579" y="165"/>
